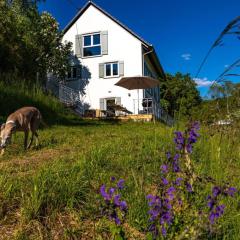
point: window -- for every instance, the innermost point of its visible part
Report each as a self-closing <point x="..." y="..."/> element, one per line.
<point x="91" y="45"/>
<point x="111" y="69"/>
<point x="72" y="73"/>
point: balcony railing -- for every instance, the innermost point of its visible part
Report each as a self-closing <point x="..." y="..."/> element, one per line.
<point x="149" y="106"/>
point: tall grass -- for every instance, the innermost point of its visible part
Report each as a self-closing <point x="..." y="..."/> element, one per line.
<point x="53" y="192"/>
<point x="17" y="95"/>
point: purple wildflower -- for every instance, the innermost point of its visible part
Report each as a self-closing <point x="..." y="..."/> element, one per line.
<point x="120" y="184"/>
<point x="179" y="140"/>
<point x="113" y="179"/>
<point x="231" y="191"/>
<point x="178" y="181"/>
<point x="215" y="209"/>
<point x="111" y="191"/>
<point x="164" y="231"/>
<point x="176" y="167"/>
<point x="216" y="191"/>
<point x="216" y="213"/>
<point x="104" y="194"/>
<point x="189" y="187"/>
<point x="164" y="168"/>
<point x="192" y="136"/>
<point x="113" y="205"/>
<point x="170" y="193"/>
<point x="164" y="181"/>
<point x="123" y="205"/>
<point x="211" y="202"/>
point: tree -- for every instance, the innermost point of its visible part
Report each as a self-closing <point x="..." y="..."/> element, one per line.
<point x="30" y="43"/>
<point x="179" y="94"/>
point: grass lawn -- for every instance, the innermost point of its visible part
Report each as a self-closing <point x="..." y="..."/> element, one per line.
<point x="53" y="192"/>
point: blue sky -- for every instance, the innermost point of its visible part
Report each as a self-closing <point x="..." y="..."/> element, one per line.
<point x="181" y="30"/>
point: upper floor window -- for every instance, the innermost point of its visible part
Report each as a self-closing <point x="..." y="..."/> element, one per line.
<point x="111" y="69"/>
<point x="91" y="45"/>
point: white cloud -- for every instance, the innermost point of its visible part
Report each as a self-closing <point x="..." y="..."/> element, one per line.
<point x="203" y="82"/>
<point x="186" y="56"/>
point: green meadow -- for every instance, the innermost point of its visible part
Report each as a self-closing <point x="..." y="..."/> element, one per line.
<point x="52" y="191"/>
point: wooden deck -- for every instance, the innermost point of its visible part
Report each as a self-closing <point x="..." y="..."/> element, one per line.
<point x="136" y="117"/>
<point x="130" y="117"/>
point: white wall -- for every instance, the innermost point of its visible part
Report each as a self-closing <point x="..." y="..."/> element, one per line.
<point x="122" y="46"/>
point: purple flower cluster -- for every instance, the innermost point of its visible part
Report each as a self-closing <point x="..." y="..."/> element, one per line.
<point x="192" y="136"/>
<point x="174" y="162"/>
<point x="187" y="139"/>
<point x="160" y="212"/>
<point x="114" y="207"/>
<point x="216" y="210"/>
<point x="179" y="140"/>
<point x="176" y="165"/>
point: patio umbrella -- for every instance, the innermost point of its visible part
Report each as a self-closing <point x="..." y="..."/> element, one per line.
<point x="131" y="83"/>
<point x="141" y="82"/>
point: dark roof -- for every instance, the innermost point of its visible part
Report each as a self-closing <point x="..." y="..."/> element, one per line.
<point x="87" y="5"/>
<point x="147" y="45"/>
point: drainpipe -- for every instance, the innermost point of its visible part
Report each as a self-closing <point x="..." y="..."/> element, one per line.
<point x="144" y="54"/>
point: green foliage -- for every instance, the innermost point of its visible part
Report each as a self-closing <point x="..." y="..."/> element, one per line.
<point x="223" y="103"/>
<point x="179" y="94"/>
<point x="30" y="44"/>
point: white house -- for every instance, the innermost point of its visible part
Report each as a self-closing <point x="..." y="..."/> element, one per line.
<point x="107" y="50"/>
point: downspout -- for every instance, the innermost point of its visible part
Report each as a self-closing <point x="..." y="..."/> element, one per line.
<point x="144" y="54"/>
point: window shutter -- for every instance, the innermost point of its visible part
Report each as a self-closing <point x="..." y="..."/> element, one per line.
<point x="121" y="68"/>
<point x="118" y="100"/>
<point x="104" y="42"/>
<point x="78" y="45"/>
<point x="102" y="104"/>
<point x="101" y="70"/>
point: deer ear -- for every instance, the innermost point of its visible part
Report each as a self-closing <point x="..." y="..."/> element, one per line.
<point x="3" y="126"/>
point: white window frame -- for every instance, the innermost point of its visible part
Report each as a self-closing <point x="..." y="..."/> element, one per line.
<point x="92" y="45"/>
<point x="105" y="70"/>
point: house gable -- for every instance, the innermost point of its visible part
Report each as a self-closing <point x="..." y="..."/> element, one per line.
<point x="147" y="47"/>
<point x="90" y="3"/>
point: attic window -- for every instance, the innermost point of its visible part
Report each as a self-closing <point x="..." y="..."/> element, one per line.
<point x="91" y="45"/>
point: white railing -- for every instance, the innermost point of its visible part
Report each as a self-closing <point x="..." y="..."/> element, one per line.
<point x="149" y="106"/>
<point x="71" y="98"/>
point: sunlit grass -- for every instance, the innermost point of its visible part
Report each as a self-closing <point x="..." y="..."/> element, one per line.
<point x="51" y="192"/>
<point x="60" y="180"/>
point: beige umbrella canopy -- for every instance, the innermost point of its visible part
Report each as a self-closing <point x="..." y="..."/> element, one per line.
<point x="131" y="83"/>
<point x="140" y="82"/>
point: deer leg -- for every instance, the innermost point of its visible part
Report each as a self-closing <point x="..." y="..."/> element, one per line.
<point x="37" y="140"/>
<point x="2" y="151"/>
<point x="31" y="140"/>
<point x="25" y="139"/>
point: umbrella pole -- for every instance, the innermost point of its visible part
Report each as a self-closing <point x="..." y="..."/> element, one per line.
<point x="138" y="100"/>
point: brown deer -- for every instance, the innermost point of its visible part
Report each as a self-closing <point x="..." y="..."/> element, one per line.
<point x="24" y="119"/>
